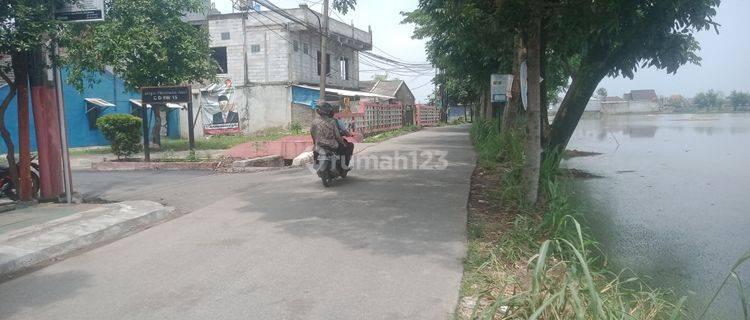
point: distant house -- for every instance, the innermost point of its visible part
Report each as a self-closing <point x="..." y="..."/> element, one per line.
<point x="642" y="95"/>
<point x="395" y="88"/>
<point x="366" y="86"/>
<point x="636" y="101"/>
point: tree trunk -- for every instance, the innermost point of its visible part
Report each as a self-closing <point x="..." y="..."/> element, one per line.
<point x="571" y="110"/>
<point x="532" y="148"/>
<point x="487" y="103"/>
<point x="513" y="106"/>
<point x="9" y="146"/>
<point x="156" y="131"/>
<point x="543" y="88"/>
<point x="20" y="69"/>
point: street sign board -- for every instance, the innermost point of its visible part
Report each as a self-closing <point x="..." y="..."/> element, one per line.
<point x="500" y="87"/>
<point x="178" y="94"/>
<point x="81" y="11"/>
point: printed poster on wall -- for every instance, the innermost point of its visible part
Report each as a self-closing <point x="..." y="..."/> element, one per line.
<point x="219" y="110"/>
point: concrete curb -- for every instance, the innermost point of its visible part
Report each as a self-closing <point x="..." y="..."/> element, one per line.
<point x="130" y="166"/>
<point x="35" y="245"/>
<point x="267" y="161"/>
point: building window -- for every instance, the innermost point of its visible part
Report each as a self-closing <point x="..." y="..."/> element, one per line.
<point x="295" y="44"/>
<point x="225" y="36"/>
<point x="254" y="48"/>
<point x="220" y="55"/>
<point x="328" y="64"/>
<point x="344" y="68"/>
<point x="305" y="48"/>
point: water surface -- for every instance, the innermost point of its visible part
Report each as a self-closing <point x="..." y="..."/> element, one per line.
<point x="674" y="200"/>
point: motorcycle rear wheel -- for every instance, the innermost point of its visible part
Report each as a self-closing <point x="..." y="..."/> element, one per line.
<point x="326" y="181"/>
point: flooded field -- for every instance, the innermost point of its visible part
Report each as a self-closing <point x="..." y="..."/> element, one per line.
<point x="673" y="203"/>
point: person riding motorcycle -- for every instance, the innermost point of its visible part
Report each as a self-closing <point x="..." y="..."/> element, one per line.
<point x="327" y="134"/>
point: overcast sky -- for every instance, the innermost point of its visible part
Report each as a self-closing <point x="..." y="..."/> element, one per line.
<point x="725" y="66"/>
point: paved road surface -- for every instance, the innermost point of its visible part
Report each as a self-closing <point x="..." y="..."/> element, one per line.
<point x="383" y="244"/>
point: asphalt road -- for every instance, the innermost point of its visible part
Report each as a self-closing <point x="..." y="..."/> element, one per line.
<point x="382" y="244"/>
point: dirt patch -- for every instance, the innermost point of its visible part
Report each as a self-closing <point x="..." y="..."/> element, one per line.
<point x="490" y="228"/>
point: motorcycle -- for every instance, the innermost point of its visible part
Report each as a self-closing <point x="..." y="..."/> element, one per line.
<point x="8" y="188"/>
<point x="329" y="166"/>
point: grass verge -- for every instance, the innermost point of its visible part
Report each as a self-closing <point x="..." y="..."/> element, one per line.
<point x="217" y="142"/>
<point x="539" y="263"/>
<point x="391" y="134"/>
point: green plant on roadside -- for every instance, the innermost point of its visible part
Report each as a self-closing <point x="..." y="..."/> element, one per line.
<point x="123" y="131"/>
<point x="295" y="127"/>
<point x="544" y="264"/>
<point x="192" y="157"/>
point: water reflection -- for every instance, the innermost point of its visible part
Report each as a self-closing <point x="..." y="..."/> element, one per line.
<point x="673" y="205"/>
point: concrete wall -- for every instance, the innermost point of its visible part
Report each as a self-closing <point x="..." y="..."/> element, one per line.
<point x="269" y="106"/>
<point x="644" y="106"/>
<point x="271" y="63"/>
<point x="277" y="61"/>
<point x="305" y="66"/>
<point x="619" y="107"/>
<point x="259" y="107"/>
<point x="594" y="105"/>
<point x="615" y="107"/>
<point x="405" y="96"/>
<point x="303" y="114"/>
<point x="235" y="62"/>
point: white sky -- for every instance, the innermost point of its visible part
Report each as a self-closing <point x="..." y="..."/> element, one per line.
<point x="725" y="66"/>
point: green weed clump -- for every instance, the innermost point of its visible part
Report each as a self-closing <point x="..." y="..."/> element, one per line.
<point x="541" y="263"/>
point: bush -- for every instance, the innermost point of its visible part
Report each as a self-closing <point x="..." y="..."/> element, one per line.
<point x="295" y="127"/>
<point x="123" y="132"/>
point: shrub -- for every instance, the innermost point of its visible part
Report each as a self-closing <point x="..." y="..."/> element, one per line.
<point x="295" y="127"/>
<point x="123" y="131"/>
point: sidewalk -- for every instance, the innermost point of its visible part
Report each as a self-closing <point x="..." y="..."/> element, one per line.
<point x="32" y="236"/>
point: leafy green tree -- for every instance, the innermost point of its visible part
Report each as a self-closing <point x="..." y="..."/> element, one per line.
<point x="344" y="6"/>
<point x="708" y="100"/>
<point x="677" y="102"/>
<point x="457" y="35"/>
<point x="144" y="42"/>
<point x="601" y="93"/>
<point x="588" y="41"/>
<point x="739" y="100"/>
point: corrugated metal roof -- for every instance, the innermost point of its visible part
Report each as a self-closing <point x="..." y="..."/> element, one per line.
<point x="99" y="102"/>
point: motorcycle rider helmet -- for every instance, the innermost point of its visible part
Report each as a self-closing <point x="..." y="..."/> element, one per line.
<point x="325" y="109"/>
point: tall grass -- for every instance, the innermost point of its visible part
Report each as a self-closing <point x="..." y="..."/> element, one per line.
<point x="545" y="265"/>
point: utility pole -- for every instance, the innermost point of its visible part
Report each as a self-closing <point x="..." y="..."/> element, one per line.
<point x="323" y="55"/>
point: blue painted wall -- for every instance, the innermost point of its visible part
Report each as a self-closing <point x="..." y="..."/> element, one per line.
<point x="80" y="134"/>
